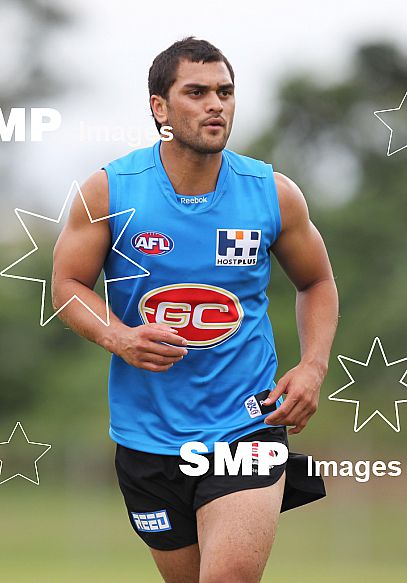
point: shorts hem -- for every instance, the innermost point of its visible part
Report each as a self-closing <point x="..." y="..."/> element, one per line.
<point x="174" y="547"/>
<point x="274" y="479"/>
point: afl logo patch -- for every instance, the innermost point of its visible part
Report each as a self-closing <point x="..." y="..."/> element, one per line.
<point x="152" y="243"/>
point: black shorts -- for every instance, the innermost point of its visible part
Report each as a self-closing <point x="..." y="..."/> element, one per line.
<point x="162" y="501"/>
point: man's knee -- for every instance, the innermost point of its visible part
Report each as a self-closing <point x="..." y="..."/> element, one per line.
<point x="180" y="565"/>
<point x="220" y="578"/>
<point x="236" y="573"/>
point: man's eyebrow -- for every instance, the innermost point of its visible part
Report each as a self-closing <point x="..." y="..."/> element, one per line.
<point x="205" y="87"/>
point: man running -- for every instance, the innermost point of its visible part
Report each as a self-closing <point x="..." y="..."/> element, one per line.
<point x="191" y="342"/>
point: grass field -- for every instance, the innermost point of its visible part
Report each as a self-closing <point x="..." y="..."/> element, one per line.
<point x="77" y="535"/>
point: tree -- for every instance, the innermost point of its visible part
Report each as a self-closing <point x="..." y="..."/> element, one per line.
<point x="327" y="139"/>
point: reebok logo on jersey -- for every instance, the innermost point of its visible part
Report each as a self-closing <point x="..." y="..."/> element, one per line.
<point x="192" y="199"/>
<point x="237" y="246"/>
<point x="151" y="521"/>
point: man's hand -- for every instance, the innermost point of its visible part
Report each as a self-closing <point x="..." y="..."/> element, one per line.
<point x="143" y="346"/>
<point x="301" y="384"/>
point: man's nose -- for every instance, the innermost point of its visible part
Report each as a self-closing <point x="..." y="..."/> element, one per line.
<point x="214" y="103"/>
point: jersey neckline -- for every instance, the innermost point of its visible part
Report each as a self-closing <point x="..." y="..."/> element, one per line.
<point x="170" y="193"/>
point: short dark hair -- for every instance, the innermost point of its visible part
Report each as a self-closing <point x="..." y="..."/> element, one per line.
<point x="162" y="73"/>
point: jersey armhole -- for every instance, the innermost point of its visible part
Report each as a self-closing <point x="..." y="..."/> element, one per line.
<point x="113" y="196"/>
<point x="273" y="203"/>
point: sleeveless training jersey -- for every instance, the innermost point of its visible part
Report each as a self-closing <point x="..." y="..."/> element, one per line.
<point x="208" y="262"/>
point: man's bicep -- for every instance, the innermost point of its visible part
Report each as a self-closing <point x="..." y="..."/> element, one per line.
<point x="302" y="254"/>
<point x="299" y="249"/>
<point x="84" y="242"/>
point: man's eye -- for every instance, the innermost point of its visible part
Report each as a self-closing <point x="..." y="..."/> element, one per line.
<point x="226" y="92"/>
<point x="196" y="92"/>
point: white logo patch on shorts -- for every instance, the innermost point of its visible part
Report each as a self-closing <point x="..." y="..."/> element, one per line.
<point x="151" y="521"/>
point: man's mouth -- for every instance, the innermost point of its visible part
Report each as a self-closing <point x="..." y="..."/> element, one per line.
<point x="214" y="123"/>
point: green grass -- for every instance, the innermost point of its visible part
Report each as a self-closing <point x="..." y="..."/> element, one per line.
<point x="77" y="535"/>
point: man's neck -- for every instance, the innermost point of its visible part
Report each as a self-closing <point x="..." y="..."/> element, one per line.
<point x="190" y="172"/>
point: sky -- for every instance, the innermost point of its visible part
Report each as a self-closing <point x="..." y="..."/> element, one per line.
<point x="104" y="57"/>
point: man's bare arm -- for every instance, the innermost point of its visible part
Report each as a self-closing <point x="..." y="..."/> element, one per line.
<point x="301" y="252"/>
<point x="79" y="256"/>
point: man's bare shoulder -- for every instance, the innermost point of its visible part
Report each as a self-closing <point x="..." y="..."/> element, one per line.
<point x="95" y="191"/>
<point x="293" y="207"/>
<point x="91" y="203"/>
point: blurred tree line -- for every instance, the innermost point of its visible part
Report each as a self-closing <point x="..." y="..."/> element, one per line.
<point x="26" y="28"/>
<point x="326" y="138"/>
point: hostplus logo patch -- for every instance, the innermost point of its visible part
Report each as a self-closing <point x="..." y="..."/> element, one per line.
<point x="151" y="521"/>
<point x="237" y="246"/>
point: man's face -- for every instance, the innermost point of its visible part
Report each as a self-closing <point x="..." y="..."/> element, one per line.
<point x="201" y="105"/>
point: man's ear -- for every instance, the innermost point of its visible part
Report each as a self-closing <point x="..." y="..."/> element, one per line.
<point x="159" y="108"/>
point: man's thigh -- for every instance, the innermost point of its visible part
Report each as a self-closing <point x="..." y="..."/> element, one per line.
<point x="178" y="566"/>
<point x="236" y="533"/>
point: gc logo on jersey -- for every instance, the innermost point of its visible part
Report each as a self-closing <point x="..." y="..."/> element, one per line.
<point x="208" y="315"/>
<point x="152" y="243"/>
<point x="237" y="246"/>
